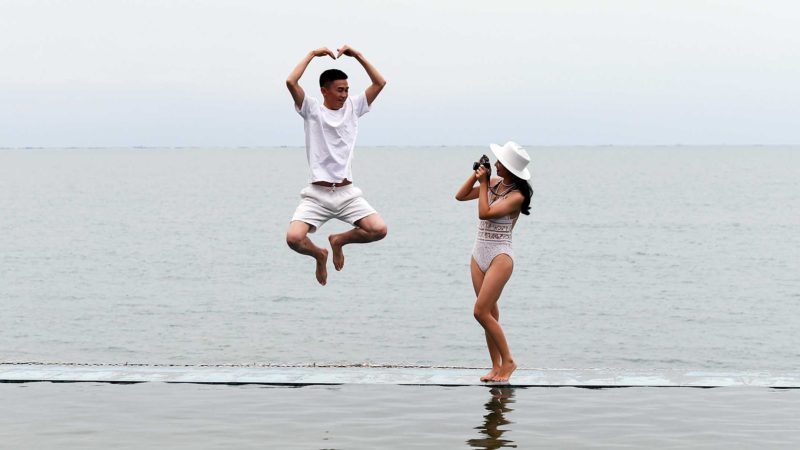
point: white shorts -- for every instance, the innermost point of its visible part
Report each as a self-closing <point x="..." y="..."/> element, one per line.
<point x="320" y="204"/>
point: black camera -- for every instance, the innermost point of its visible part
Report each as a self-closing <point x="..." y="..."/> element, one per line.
<point x="484" y="161"/>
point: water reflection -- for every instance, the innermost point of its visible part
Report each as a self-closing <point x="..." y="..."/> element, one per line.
<point x="491" y="430"/>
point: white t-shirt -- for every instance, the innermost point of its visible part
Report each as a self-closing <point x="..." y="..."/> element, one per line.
<point x="331" y="137"/>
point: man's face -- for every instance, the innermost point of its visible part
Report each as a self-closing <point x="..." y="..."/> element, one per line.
<point x="335" y="94"/>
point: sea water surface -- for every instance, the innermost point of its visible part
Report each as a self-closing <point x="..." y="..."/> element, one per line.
<point x="654" y="257"/>
<point x="632" y="258"/>
<point x="158" y="415"/>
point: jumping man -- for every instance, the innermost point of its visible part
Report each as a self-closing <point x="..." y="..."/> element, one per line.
<point x="331" y="128"/>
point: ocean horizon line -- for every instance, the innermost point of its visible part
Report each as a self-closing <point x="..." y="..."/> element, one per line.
<point x="404" y="146"/>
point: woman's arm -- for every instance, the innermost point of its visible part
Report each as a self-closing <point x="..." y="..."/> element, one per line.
<point x="511" y="205"/>
<point x="468" y="190"/>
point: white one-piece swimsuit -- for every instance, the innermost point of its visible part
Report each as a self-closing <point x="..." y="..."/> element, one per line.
<point x="494" y="237"/>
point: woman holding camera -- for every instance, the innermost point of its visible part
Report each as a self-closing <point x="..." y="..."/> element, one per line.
<point x="500" y="201"/>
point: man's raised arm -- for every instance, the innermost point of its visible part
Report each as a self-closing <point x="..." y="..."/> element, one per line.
<point x="293" y="82"/>
<point x="378" y="82"/>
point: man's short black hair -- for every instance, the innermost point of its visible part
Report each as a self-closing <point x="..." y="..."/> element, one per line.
<point x="331" y="75"/>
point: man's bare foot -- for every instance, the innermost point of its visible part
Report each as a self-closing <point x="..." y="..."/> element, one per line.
<point x="504" y="374"/>
<point x="492" y="373"/>
<point x="322" y="269"/>
<point x="338" y="254"/>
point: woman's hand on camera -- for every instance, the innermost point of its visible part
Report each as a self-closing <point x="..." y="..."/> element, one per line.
<point x="482" y="174"/>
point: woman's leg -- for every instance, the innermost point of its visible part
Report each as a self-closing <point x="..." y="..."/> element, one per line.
<point x="494" y="280"/>
<point x="494" y="353"/>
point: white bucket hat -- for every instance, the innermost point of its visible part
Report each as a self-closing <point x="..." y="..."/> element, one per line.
<point x="513" y="157"/>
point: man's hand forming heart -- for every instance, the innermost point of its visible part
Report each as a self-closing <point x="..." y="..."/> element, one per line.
<point x="346" y="50"/>
<point x="322" y="51"/>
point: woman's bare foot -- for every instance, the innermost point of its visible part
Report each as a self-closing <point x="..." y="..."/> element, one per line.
<point x="338" y="254"/>
<point x="322" y="269"/>
<point x="504" y="374"/>
<point x="492" y="373"/>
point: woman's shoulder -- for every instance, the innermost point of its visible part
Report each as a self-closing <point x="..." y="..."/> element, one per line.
<point x="516" y="195"/>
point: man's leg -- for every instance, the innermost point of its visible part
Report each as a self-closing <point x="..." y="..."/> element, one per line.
<point x="297" y="238"/>
<point x="369" y="229"/>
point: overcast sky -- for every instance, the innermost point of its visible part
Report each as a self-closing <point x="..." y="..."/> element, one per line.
<point x="212" y="73"/>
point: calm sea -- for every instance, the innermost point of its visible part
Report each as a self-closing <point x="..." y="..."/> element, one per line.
<point x="633" y="257"/>
<point x="659" y="257"/>
<point x="158" y="415"/>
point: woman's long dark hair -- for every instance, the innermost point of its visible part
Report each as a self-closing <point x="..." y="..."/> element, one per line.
<point x="527" y="191"/>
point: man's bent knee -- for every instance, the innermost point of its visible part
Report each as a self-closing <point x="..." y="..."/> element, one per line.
<point x="374" y="226"/>
<point x="380" y="232"/>
<point x="295" y="237"/>
<point x="293" y="240"/>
